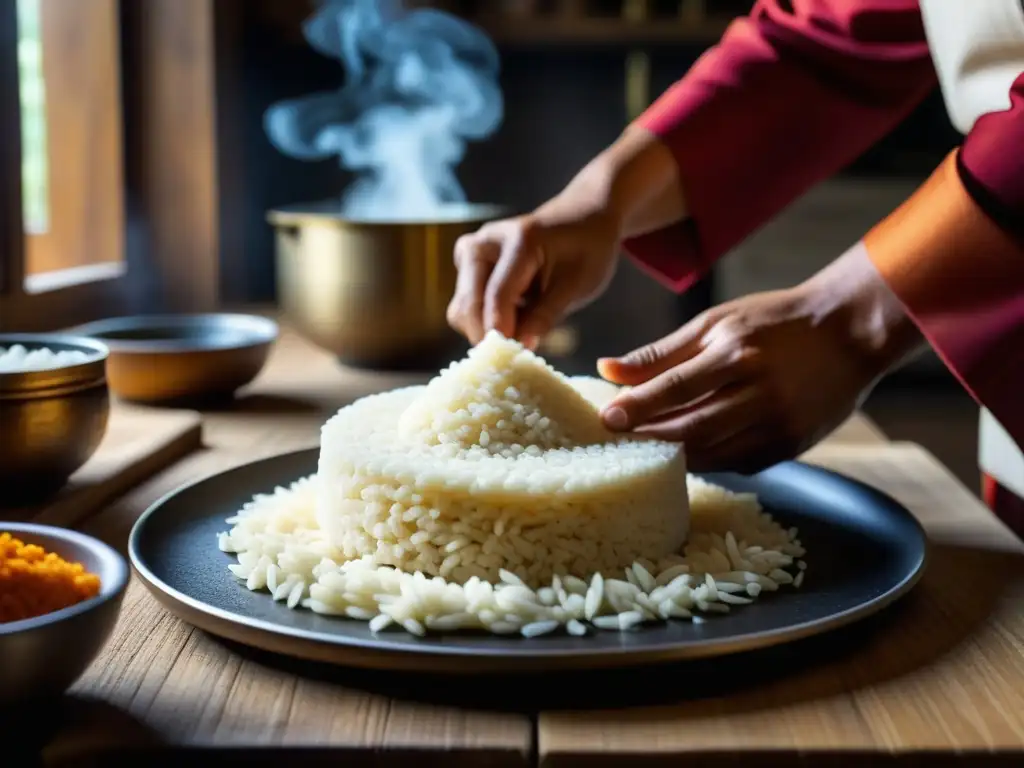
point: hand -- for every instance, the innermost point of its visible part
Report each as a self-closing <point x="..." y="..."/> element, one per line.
<point x="761" y="379"/>
<point x="522" y="276"/>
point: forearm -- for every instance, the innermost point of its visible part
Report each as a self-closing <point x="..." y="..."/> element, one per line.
<point x="852" y="296"/>
<point x="791" y="94"/>
<point x="635" y="182"/>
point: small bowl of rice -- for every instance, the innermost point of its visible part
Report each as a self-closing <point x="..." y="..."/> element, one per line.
<point x="54" y="407"/>
<point x="60" y="595"/>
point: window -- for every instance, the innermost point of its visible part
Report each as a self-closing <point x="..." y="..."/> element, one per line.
<point x="108" y="162"/>
<point x="34" y="178"/>
<point x="72" y="170"/>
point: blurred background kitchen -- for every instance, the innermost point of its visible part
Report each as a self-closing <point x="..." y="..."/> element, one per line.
<point x="147" y="172"/>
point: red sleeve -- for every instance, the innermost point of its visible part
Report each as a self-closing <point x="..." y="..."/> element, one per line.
<point x="954" y="255"/>
<point x="790" y="95"/>
<point x="992" y="161"/>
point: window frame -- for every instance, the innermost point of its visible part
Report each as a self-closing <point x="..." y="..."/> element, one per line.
<point x="172" y="196"/>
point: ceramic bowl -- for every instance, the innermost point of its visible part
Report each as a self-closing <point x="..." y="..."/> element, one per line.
<point x="182" y="359"/>
<point x="51" y="421"/>
<point x="42" y="657"/>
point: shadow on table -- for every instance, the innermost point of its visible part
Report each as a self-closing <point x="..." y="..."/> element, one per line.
<point x="913" y="633"/>
<point x="660" y="684"/>
<point x="286" y="757"/>
<point x="961" y="589"/>
<point x="58" y="733"/>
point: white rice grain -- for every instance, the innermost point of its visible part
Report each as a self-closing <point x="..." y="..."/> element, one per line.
<point x="595" y="596"/>
<point x="629" y="619"/>
<point x="538" y="628"/>
<point x="607" y="622"/>
<point x="575" y="628"/>
<point x="413" y="627"/>
<point x="493" y="498"/>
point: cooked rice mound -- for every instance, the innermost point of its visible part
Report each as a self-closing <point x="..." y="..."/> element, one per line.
<point x="493" y="498"/>
<point x="498" y="463"/>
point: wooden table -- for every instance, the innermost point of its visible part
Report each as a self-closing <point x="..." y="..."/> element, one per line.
<point x="943" y="670"/>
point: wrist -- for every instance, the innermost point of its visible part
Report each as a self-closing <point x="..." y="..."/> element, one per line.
<point x="633" y="184"/>
<point x="593" y="193"/>
<point x="851" y="296"/>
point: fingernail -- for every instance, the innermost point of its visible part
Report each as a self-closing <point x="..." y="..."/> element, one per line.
<point x="531" y="341"/>
<point x="616" y="418"/>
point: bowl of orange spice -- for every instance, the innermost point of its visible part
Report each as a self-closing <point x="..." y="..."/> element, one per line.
<point x="60" y="594"/>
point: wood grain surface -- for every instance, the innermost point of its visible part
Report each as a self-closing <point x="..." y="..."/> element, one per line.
<point x="138" y="444"/>
<point x="941" y="670"/>
<point x="159" y="682"/>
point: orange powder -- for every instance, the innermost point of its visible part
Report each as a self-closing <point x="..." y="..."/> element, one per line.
<point x="34" y="582"/>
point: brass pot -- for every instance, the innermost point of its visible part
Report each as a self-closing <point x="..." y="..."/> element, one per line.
<point x="51" y="421"/>
<point x="373" y="292"/>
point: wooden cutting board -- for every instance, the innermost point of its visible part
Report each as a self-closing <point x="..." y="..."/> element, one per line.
<point x="139" y="443"/>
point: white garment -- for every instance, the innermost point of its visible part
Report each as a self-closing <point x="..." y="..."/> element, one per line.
<point x="978" y="50"/>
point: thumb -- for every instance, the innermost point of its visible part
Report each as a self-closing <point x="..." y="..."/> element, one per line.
<point x="650" y="360"/>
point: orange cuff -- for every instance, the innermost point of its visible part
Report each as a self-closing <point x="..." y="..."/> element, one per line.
<point x="939" y="250"/>
<point x="961" y="277"/>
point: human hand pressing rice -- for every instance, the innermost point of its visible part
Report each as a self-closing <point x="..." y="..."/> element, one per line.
<point x="494" y="498"/>
<point x="761" y="379"/>
<point x="521" y="276"/>
<point x="744" y="385"/>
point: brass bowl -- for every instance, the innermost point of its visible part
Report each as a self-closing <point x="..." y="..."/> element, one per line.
<point x="182" y="359"/>
<point x="43" y="656"/>
<point x="373" y="291"/>
<point x="51" y="421"/>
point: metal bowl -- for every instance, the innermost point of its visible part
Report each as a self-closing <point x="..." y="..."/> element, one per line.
<point x="373" y="291"/>
<point x="177" y="359"/>
<point x="43" y="656"/>
<point x="51" y="421"/>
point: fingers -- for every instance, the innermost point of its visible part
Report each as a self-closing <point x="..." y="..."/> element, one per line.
<point x="728" y="432"/>
<point x="497" y="268"/>
<point x="655" y="358"/>
<point x="475" y="258"/>
<point x="520" y="262"/>
<point x="546" y="311"/>
<point x="679" y="386"/>
<point x="727" y="412"/>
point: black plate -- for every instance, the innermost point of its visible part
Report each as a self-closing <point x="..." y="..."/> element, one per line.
<point x="864" y="551"/>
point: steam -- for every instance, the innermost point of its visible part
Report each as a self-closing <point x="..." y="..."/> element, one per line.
<point x="419" y="85"/>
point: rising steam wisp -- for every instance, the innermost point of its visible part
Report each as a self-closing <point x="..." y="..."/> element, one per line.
<point x="419" y="85"/>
